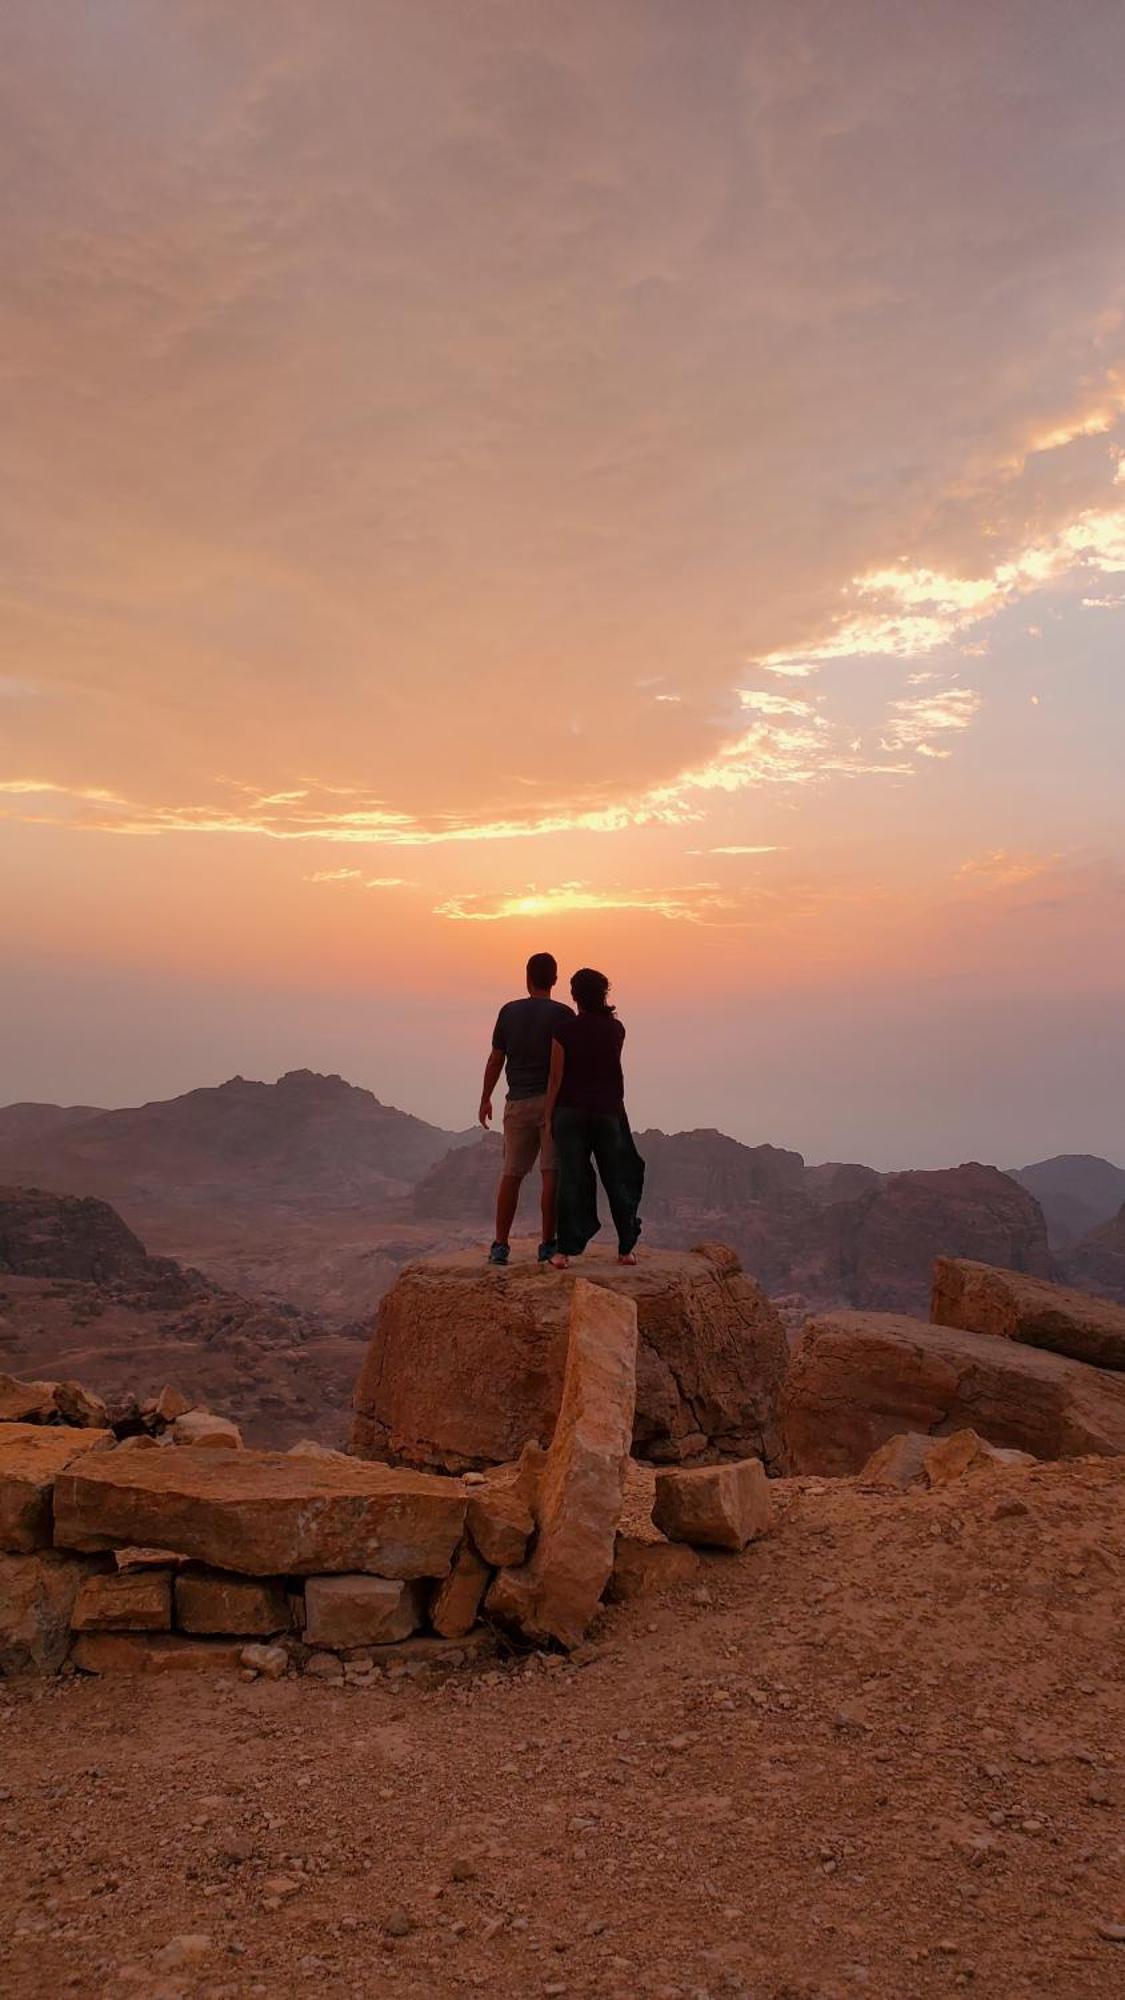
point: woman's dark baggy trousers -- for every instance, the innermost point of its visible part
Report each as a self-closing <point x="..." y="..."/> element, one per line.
<point x="581" y="1139"/>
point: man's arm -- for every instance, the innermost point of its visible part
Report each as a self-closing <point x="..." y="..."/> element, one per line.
<point x="492" y="1070"/>
<point x="554" y="1081"/>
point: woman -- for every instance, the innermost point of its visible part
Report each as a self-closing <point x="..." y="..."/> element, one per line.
<point x="585" y="1110"/>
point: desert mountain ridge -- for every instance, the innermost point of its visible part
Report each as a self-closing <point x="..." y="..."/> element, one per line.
<point x="311" y="1192"/>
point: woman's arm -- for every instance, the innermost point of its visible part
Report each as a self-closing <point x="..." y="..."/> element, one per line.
<point x="554" y="1080"/>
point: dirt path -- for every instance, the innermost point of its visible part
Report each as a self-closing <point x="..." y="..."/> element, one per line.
<point x="883" y="1756"/>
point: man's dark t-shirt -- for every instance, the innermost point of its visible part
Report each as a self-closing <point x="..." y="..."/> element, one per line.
<point x="592" y="1079"/>
<point x="523" y="1034"/>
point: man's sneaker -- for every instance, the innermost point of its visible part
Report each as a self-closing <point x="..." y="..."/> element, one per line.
<point x="498" y="1254"/>
<point x="546" y="1251"/>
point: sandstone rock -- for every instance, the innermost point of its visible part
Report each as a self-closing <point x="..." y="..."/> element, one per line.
<point x="427" y="1649"/>
<point x="913" y="1462"/>
<point x="857" y="1379"/>
<point x="79" y="1406"/>
<point x="202" y="1429"/>
<point x="457" y="1600"/>
<point x="500" y="1524"/>
<point x="557" y="1592"/>
<point x="899" y="1463"/>
<point x="964" y="1453"/>
<point x="714" y="1506"/>
<point x="324" y="1667"/>
<point x="137" y="1558"/>
<point x="127" y="1601"/>
<point x="140" y="1441"/>
<point x="360" y="1610"/>
<point x="31" y="1458"/>
<point x="154" y="1653"/>
<point x="309" y="1448"/>
<point x="467" y="1361"/>
<point x="263" y="1513"/>
<point x="272" y="1662"/>
<point x="645" y="1568"/>
<point x="213" y="1601"/>
<point x="37" y="1594"/>
<point x="170" y="1404"/>
<point x="26" y="1402"/>
<point x="184" y="1951"/>
<point x="1017" y="1307"/>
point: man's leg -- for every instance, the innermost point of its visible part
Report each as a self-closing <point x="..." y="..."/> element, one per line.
<point x="507" y="1202"/>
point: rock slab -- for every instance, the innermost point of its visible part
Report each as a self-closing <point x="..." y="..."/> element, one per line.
<point x="457" y="1601"/>
<point x="208" y="1602"/>
<point x="556" y="1593"/>
<point x="360" y="1610"/>
<point x="125" y="1601"/>
<point x="714" y="1506"/>
<point x="1014" y="1306"/>
<point x="31" y="1459"/>
<point x="466" y="1363"/>
<point x="154" y="1653"/>
<point x="501" y="1525"/>
<point x="858" y="1379"/>
<point x="263" y="1513"/>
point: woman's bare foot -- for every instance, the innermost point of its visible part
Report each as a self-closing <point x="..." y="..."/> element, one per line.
<point x="559" y="1262"/>
<point x="627" y="1257"/>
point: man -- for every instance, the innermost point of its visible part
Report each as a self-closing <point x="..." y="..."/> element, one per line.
<point x="521" y="1040"/>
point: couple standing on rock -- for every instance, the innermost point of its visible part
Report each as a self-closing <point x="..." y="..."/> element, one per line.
<point x="566" y="1108"/>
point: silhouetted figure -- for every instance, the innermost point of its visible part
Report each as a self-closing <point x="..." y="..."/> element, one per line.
<point x="586" y="1111"/>
<point x="521" y="1044"/>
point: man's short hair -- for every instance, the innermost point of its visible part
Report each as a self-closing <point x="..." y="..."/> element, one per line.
<point x="542" y="969"/>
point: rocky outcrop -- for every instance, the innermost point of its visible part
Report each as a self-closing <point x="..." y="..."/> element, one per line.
<point x="1014" y="1306"/>
<point x="1077" y="1193"/>
<point x="60" y="1236"/>
<point x="466" y="1363"/>
<point x="556" y="1593"/>
<point x="857" y="1379"/>
<point x="884" y="1244"/>
<point x="1099" y="1259"/>
<point x="262" y="1513"/>
<point x="79" y="1295"/>
<point x="307" y="1137"/>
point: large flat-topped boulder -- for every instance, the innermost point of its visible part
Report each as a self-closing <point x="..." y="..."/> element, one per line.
<point x="263" y="1513"/>
<point x="857" y="1379"/>
<point x="985" y="1299"/>
<point x="31" y="1459"/>
<point x="466" y="1362"/>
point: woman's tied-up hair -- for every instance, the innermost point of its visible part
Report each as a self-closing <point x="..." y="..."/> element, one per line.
<point x="590" y="990"/>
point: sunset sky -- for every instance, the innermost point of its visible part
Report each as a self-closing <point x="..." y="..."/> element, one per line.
<point x="643" y="479"/>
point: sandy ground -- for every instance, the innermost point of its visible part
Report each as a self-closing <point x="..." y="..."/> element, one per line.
<point x="880" y="1754"/>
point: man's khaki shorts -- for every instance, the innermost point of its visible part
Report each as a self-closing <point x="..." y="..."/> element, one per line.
<point x="524" y="1138"/>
